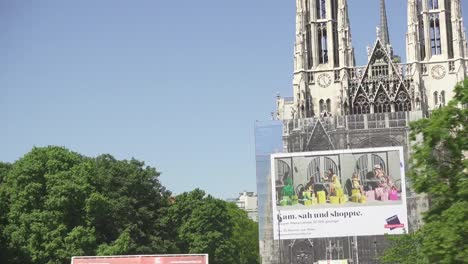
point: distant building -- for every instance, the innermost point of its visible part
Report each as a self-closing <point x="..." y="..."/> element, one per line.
<point x="248" y="202"/>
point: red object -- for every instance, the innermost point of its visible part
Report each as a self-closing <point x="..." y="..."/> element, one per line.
<point x="143" y="259"/>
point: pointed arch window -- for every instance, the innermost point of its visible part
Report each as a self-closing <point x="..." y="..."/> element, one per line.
<point x="323" y="43"/>
<point x="433" y="4"/>
<point x="361" y="105"/>
<point x="310" y="61"/>
<point x="442" y="98"/>
<point x="422" y="39"/>
<point x="321" y="9"/>
<point x="402" y="103"/>
<point x="381" y="103"/>
<point x="434" y="31"/>
<point x="328" y="105"/>
<point x="322" y="105"/>
<point x="448" y="24"/>
<point x="436" y="98"/>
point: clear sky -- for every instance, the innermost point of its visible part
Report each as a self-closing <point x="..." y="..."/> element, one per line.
<point x="177" y="84"/>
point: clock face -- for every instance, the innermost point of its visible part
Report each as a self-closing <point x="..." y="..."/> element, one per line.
<point x="324" y="80"/>
<point x="438" y="72"/>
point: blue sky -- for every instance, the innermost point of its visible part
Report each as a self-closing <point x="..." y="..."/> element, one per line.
<point x="177" y="84"/>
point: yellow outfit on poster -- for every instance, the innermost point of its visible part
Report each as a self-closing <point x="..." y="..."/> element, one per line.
<point x="336" y="182"/>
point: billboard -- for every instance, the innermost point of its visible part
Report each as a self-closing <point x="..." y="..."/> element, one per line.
<point x="350" y="192"/>
<point x="144" y="259"/>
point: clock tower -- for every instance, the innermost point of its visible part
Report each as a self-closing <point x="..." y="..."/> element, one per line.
<point x="436" y="44"/>
<point x="322" y="54"/>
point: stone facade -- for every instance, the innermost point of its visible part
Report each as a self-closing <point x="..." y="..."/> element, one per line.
<point x="337" y="105"/>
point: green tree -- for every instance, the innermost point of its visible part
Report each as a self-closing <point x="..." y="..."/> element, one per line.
<point x="4" y="169"/>
<point x="439" y="168"/>
<point x="244" y="236"/>
<point x="56" y="203"/>
<point x="204" y="224"/>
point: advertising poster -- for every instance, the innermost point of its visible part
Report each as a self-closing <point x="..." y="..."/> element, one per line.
<point x="143" y="259"/>
<point x="351" y="192"/>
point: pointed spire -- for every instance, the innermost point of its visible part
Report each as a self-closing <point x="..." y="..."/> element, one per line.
<point x="384" y="36"/>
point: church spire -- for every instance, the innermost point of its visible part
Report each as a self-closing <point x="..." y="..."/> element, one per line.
<point x="384" y="36"/>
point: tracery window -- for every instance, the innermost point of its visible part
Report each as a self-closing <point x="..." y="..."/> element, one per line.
<point x="434" y="32"/>
<point x="433" y="4"/>
<point x="402" y="103"/>
<point x="361" y="105"/>
<point x="323" y="43"/>
<point x="379" y="70"/>
<point x="321" y="9"/>
<point x="381" y="103"/>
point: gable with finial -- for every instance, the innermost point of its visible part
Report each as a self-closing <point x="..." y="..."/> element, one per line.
<point x="381" y="85"/>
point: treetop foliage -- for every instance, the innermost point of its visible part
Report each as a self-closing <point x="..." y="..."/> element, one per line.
<point x="438" y="168"/>
<point x="55" y="203"/>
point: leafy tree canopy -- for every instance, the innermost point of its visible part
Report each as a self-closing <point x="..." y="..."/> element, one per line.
<point x="209" y="225"/>
<point x="439" y="168"/>
<point x="55" y="203"/>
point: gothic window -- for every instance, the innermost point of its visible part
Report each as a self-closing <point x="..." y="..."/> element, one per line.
<point x="334" y="12"/>
<point x="321" y="105"/>
<point x="328" y="105"/>
<point x="323" y="43"/>
<point x="402" y="103"/>
<point x="422" y="39"/>
<point x="442" y="98"/>
<point x="380" y="70"/>
<point x="436" y="98"/>
<point x="435" y="34"/>
<point x="336" y="55"/>
<point x="321" y="9"/>
<point x="310" y="61"/>
<point x="448" y="23"/>
<point x="361" y="105"/>
<point x="433" y="4"/>
<point x="381" y="103"/>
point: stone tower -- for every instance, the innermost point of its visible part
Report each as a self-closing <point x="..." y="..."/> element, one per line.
<point x="436" y="45"/>
<point x="322" y="54"/>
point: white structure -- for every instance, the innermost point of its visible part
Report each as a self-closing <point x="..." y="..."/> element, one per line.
<point x="248" y="202"/>
<point x="327" y="82"/>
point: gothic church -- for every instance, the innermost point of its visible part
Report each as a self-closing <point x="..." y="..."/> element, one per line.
<point x="338" y="105"/>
